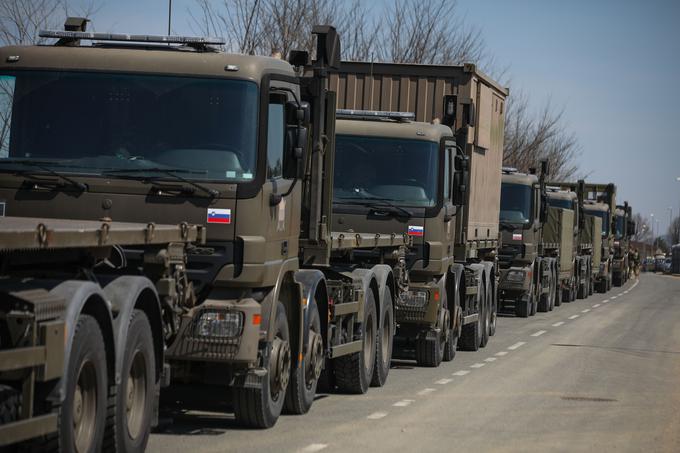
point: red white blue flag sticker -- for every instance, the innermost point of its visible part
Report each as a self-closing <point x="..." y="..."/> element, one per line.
<point x="414" y="230"/>
<point x="219" y="215"/>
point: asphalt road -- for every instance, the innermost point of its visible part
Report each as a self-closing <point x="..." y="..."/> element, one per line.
<point x="601" y="374"/>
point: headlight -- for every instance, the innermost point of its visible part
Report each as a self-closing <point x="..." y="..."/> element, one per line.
<point x="219" y="324"/>
<point x="416" y="299"/>
<point x="515" y="276"/>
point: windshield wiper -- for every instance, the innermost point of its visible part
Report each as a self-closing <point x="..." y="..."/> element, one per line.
<point x="382" y="203"/>
<point x="173" y="172"/>
<point x="506" y="226"/>
<point x="42" y="165"/>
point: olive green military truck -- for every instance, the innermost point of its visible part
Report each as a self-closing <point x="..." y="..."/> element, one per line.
<point x="624" y="228"/>
<point x="560" y="237"/>
<point x="528" y="268"/>
<point x="419" y="151"/>
<point x="597" y="201"/>
<point x="82" y="332"/>
<point x="587" y="241"/>
<point x="169" y="129"/>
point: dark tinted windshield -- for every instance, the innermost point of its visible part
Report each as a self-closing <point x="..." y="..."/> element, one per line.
<point x="516" y="203"/>
<point x="560" y="203"/>
<point x="605" y="220"/>
<point x="619" y="226"/>
<point x="399" y="170"/>
<point x="89" y="123"/>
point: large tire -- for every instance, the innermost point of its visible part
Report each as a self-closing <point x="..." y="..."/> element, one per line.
<point x="452" y="341"/>
<point x="136" y="394"/>
<point x="486" y="321"/>
<point x="430" y="351"/>
<point x="471" y="334"/>
<point x="354" y="372"/>
<point x="494" y="310"/>
<point x="383" y="345"/>
<point x="544" y="303"/>
<point x="10" y="404"/>
<point x="558" y="293"/>
<point x="523" y="306"/>
<point x="534" y="304"/>
<point x="82" y="415"/>
<point x="304" y="378"/>
<point x="261" y="407"/>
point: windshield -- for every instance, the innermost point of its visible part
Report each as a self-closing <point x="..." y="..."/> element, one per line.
<point x="560" y="203"/>
<point x="399" y="170"/>
<point x="516" y="203"/>
<point x="605" y="220"/>
<point x="91" y="123"/>
<point x="619" y="226"/>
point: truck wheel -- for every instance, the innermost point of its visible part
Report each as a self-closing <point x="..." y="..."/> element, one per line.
<point x="493" y="313"/>
<point x="354" y="372"/>
<point x="486" y="321"/>
<point x="261" y="407"/>
<point x="136" y="394"/>
<point x="558" y="294"/>
<point x="430" y="351"/>
<point x="543" y="303"/>
<point x="83" y="413"/>
<point x="452" y="341"/>
<point x="383" y="346"/>
<point x="305" y="377"/>
<point x="471" y="334"/>
<point x="523" y="306"/>
<point x="10" y="404"/>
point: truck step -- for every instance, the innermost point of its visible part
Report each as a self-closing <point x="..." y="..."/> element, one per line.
<point x="345" y="308"/>
<point x="346" y="349"/>
<point x="469" y="319"/>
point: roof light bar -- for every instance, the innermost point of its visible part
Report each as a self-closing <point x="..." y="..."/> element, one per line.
<point x="375" y="114"/>
<point x="160" y="39"/>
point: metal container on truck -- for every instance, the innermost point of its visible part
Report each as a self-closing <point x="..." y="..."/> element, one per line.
<point x="169" y="130"/>
<point x="452" y="212"/>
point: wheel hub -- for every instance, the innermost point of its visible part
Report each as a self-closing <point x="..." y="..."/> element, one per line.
<point x="77" y="406"/>
<point x="279" y="365"/>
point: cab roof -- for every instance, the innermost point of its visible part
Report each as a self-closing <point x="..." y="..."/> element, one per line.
<point x="393" y="129"/>
<point x="561" y="195"/>
<point x="590" y="205"/>
<point x="519" y="178"/>
<point x="143" y="59"/>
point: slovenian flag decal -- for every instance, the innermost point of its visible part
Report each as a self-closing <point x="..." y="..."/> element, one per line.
<point x="414" y="230"/>
<point x="219" y="215"/>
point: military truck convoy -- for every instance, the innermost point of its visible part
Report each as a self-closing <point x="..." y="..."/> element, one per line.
<point x="203" y="219"/>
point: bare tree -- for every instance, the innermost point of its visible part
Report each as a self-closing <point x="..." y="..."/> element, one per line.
<point x="428" y="32"/>
<point x="22" y="20"/>
<point x="643" y="232"/>
<point x="531" y="137"/>
<point x="674" y="231"/>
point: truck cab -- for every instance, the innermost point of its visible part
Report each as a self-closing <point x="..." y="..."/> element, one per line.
<point x="528" y="275"/>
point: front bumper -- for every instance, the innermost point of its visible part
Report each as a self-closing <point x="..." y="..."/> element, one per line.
<point x="242" y="347"/>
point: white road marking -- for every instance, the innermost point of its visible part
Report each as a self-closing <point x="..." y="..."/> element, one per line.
<point x="403" y="403"/>
<point x="586" y="310"/>
<point x="443" y="381"/>
<point x="490" y="359"/>
<point x="573" y="316"/>
<point x="311" y="448"/>
<point x="596" y="305"/>
<point x="377" y="415"/>
<point x="605" y="301"/>
<point x="516" y="345"/>
<point x="557" y="324"/>
<point x="501" y="353"/>
<point x="461" y="373"/>
<point x="477" y="365"/>
<point x="614" y="297"/>
<point x="539" y="333"/>
<point x="426" y="391"/>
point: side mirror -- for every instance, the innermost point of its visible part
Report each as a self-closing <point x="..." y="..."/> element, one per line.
<point x="632" y="228"/>
<point x="295" y="152"/>
<point x="460" y="178"/>
<point x="297" y="115"/>
<point x="449" y="110"/>
<point x="543" y="213"/>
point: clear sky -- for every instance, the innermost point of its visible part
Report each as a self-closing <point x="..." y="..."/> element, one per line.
<point x="612" y="64"/>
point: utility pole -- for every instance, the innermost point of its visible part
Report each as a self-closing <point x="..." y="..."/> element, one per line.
<point x="169" y="17"/>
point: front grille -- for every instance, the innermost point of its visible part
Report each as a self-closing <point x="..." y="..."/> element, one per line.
<point x="406" y="313"/>
<point x="507" y="254"/>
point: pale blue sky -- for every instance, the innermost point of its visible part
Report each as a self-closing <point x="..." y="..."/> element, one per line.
<point x="611" y="64"/>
